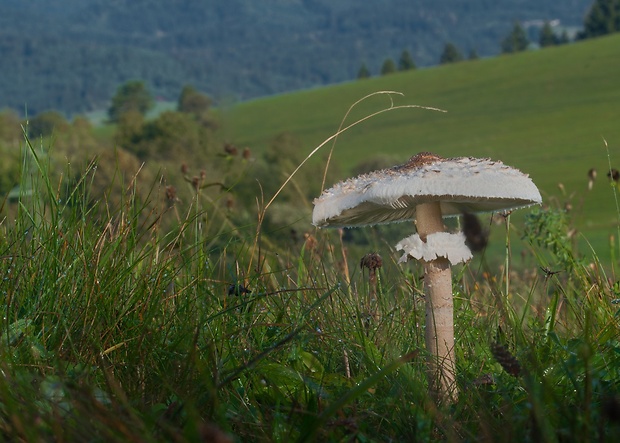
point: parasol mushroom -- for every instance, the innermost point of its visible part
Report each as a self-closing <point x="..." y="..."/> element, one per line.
<point x="425" y="189"/>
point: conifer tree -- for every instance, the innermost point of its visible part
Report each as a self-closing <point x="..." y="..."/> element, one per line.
<point x="603" y="18"/>
<point x="388" y="67"/>
<point x="450" y="54"/>
<point x="406" y="62"/>
<point x="547" y="36"/>
<point x="363" y="72"/>
<point x="516" y="41"/>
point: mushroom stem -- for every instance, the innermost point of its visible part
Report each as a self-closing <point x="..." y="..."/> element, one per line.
<point x="439" y="327"/>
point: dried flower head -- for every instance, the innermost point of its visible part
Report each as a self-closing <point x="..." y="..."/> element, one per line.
<point x="238" y="289"/>
<point x="230" y="202"/>
<point x="311" y="242"/>
<point x="171" y="194"/>
<point x="196" y="183"/>
<point x="231" y="149"/>
<point x="372" y="260"/>
<point x="508" y="361"/>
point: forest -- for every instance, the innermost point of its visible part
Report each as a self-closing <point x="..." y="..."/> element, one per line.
<point x="73" y="55"/>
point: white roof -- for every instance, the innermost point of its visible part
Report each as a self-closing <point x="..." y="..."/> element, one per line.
<point x="462" y="184"/>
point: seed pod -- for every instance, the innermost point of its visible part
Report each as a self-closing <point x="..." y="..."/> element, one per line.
<point x="508" y="361"/>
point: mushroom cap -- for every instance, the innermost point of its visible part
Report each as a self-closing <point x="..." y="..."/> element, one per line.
<point x="461" y="184"/>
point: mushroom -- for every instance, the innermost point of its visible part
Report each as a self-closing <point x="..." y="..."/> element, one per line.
<point x="425" y="189"/>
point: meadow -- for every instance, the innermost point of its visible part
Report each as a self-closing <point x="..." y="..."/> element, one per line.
<point x="117" y="328"/>
<point x="549" y="113"/>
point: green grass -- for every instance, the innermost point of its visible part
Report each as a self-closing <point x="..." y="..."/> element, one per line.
<point x="115" y="330"/>
<point x="545" y="112"/>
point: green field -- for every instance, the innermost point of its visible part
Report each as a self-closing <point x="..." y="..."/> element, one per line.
<point x="545" y="112"/>
<point x="164" y="318"/>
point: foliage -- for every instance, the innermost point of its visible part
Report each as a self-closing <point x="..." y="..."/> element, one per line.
<point x="516" y="41"/>
<point x="10" y="130"/>
<point x="132" y="96"/>
<point x="548" y="36"/>
<point x="405" y="62"/>
<point x="450" y="54"/>
<point x="363" y="72"/>
<point x="214" y="330"/>
<point x="502" y="108"/>
<point x="78" y="54"/>
<point x="192" y="101"/>
<point x="45" y="123"/>
<point x="602" y="18"/>
<point x="388" y="67"/>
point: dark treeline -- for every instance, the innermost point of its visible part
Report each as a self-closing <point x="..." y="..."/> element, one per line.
<point x="73" y="55"/>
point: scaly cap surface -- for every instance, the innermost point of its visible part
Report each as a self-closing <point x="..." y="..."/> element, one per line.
<point x="461" y="184"/>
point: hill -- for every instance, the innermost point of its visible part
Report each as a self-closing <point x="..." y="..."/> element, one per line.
<point x="545" y="112"/>
<point x="72" y="55"/>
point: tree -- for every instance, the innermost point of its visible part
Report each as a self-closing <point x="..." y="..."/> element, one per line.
<point x="473" y="55"/>
<point x="10" y="130"/>
<point x="129" y="130"/>
<point x="450" y="54"/>
<point x="603" y="18"/>
<point x="516" y="41"/>
<point x="46" y="123"/>
<point x="363" y="72"/>
<point x="406" y="62"/>
<point x="192" y="101"/>
<point x="132" y="96"/>
<point x="388" y="67"/>
<point x="547" y="36"/>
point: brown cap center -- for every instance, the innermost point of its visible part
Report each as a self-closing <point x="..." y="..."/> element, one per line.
<point x="418" y="160"/>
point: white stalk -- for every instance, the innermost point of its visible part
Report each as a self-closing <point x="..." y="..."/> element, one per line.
<point x="439" y="329"/>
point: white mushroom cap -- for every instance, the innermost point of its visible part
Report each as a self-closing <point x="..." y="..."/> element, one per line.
<point x="461" y="184"/>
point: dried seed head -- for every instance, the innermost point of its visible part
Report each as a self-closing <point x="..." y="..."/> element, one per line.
<point x="614" y="175"/>
<point x="372" y="261"/>
<point x="231" y="149"/>
<point x="484" y="380"/>
<point x="508" y="361"/>
<point x="171" y="194"/>
<point x="247" y="154"/>
<point x="196" y="183"/>
<point x="311" y="242"/>
<point x="230" y="202"/>
<point x="238" y="289"/>
<point x="184" y="169"/>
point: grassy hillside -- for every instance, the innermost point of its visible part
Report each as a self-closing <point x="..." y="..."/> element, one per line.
<point x="545" y="112"/>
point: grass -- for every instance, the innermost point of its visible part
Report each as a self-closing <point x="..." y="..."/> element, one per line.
<point x="114" y="330"/>
<point x="545" y="112"/>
